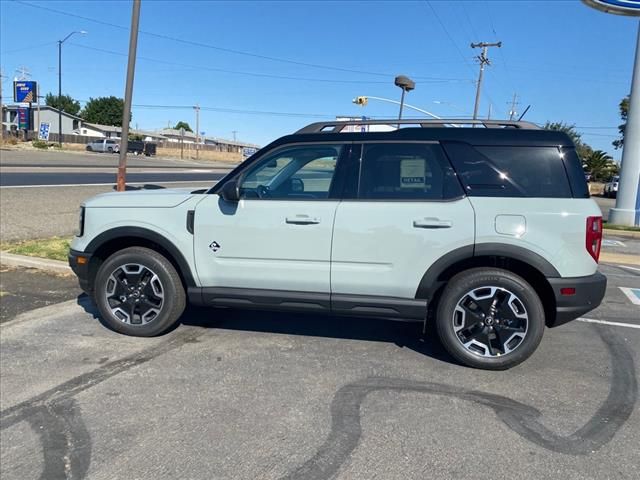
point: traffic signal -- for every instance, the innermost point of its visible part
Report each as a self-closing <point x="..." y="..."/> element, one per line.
<point x="362" y="101"/>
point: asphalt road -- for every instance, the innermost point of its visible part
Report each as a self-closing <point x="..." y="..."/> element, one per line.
<point x="96" y="178"/>
<point x="40" y="212"/>
<point x="237" y="395"/>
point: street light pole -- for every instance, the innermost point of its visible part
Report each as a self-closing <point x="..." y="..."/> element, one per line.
<point x="60" y="42"/>
<point x="627" y="209"/>
<point x="406" y="84"/>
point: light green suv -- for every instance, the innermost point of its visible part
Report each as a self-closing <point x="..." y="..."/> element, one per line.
<point x="485" y="228"/>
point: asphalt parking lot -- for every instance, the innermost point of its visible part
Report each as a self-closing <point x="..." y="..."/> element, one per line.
<point x="244" y="395"/>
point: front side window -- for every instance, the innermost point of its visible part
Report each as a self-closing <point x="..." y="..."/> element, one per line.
<point x="406" y="171"/>
<point x="302" y="172"/>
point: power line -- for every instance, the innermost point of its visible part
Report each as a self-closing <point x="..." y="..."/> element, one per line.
<point x="265" y="75"/>
<point x="210" y="46"/>
<point x="27" y="48"/>
<point x="435" y="14"/>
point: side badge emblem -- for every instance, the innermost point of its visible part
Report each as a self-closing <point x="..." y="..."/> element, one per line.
<point x="215" y="246"/>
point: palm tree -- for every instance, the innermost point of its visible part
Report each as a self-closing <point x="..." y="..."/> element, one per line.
<point x="600" y="165"/>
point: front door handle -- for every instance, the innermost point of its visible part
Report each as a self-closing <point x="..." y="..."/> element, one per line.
<point x="302" y="220"/>
<point x="431" y="222"/>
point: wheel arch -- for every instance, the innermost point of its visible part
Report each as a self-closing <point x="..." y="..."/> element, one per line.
<point x="529" y="265"/>
<point x="119" y="238"/>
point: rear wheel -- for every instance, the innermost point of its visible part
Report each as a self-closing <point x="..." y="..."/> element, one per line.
<point x="490" y="318"/>
<point x="110" y="149"/>
<point x="89" y="149"/>
<point x="139" y="292"/>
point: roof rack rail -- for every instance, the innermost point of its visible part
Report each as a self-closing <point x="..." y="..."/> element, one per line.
<point x="338" y="125"/>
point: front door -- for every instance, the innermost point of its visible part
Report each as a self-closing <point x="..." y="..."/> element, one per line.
<point x="278" y="235"/>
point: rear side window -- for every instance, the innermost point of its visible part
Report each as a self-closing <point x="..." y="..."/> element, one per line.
<point x="510" y="171"/>
<point x="575" y="172"/>
<point x="406" y="171"/>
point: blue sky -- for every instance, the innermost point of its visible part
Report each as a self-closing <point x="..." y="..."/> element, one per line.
<point x="569" y="62"/>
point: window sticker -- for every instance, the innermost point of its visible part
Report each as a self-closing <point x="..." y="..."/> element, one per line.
<point x="412" y="173"/>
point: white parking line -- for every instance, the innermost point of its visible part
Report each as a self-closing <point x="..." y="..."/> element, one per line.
<point x="632" y="294"/>
<point x="208" y="182"/>
<point x="606" y="322"/>
<point x="630" y="268"/>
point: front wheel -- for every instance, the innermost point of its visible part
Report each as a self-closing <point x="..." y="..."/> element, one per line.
<point x="139" y="292"/>
<point x="490" y="318"/>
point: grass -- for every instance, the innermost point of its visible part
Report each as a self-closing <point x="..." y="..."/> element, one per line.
<point x="621" y="227"/>
<point x="54" y="248"/>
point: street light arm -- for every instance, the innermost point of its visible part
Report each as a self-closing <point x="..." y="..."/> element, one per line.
<point x="81" y="32"/>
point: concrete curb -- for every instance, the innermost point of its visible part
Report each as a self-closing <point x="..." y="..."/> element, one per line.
<point x="624" y="258"/>
<point x="54" y="266"/>
<point x="621" y="233"/>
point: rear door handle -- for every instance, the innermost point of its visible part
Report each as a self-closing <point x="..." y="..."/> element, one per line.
<point x="431" y="222"/>
<point x="302" y="220"/>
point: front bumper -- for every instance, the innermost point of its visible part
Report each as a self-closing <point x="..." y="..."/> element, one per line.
<point x="81" y="269"/>
<point x="589" y="292"/>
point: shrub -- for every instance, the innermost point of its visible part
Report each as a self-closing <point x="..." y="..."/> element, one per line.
<point x="40" y="144"/>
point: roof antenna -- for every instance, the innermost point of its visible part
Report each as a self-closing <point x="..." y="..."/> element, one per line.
<point x="525" y="111"/>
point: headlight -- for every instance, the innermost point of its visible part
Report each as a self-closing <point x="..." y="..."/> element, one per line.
<point x="81" y="223"/>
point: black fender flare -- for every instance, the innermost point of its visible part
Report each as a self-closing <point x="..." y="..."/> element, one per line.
<point x="429" y="283"/>
<point x="149" y="235"/>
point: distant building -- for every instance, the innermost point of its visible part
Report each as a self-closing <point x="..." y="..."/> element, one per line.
<point x="70" y="123"/>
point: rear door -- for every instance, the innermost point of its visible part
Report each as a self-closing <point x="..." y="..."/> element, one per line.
<point x="407" y="211"/>
<point x="278" y="236"/>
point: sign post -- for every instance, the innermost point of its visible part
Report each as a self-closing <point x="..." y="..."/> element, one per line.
<point x="627" y="209"/>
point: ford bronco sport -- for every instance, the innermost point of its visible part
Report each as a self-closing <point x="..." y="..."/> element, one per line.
<point x="484" y="227"/>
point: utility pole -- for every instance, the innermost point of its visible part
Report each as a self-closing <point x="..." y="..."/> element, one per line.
<point x="484" y="60"/>
<point x="489" y="114"/>
<point x="234" y="134"/>
<point x="512" y="110"/>
<point x="197" y="108"/>
<point x="128" y="94"/>
<point x="1" y="108"/>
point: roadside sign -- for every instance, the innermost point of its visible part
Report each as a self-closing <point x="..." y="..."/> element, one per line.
<point x="248" y="151"/>
<point x="25" y="91"/>
<point x="43" y="132"/>
<point x="23" y="118"/>
<point x="619" y="7"/>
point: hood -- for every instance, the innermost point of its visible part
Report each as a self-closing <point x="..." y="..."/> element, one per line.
<point x="160" y="198"/>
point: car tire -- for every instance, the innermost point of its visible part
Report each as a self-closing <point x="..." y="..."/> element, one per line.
<point x="139" y="292"/>
<point x="89" y="149"/>
<point x="480" y="336"/>
<point x="110" y="150"/>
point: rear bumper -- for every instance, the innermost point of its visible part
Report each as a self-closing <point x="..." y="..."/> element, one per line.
<point x="81" y="269"/>
<point x="589" y="292"/>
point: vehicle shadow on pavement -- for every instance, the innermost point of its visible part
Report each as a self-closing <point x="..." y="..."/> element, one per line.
<point x="403" y="334"/>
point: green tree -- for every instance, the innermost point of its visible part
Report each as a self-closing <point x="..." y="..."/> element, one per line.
<point x="624" y="113"/>
<point x="184" y="125"/>
<point x="600" y="165"/>
<point x="582" y="149"/>
<point x="104" y="110"/>
<point x="65" y="103"/>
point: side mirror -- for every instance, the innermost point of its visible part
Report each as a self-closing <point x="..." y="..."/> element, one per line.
<point x="230" y="191"/>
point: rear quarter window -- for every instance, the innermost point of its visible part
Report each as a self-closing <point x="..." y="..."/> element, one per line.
<point x="510" y="171"/>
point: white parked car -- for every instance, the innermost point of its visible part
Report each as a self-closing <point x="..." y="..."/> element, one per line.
<point x="611" y="187"/>
<point x="105" y="145"/>
<point x="490" y="233"/>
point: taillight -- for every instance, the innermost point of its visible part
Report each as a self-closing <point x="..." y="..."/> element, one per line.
<point x="594" y="237"/>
